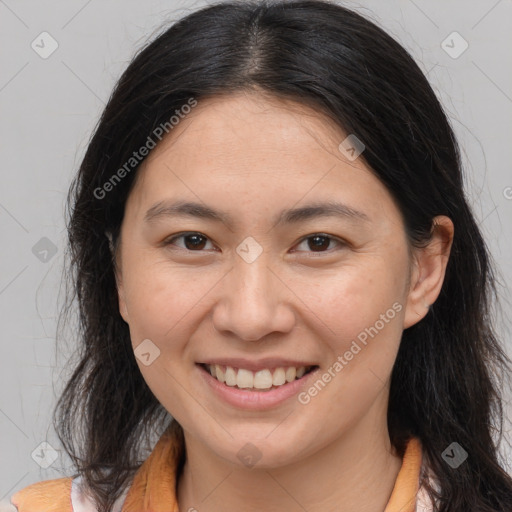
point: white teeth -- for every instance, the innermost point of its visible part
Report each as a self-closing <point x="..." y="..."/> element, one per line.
<point x="230" y="376"/>
<point x="244" y="379"/>
<point x="291" y="373"/>
<point x="220" y="373"/>
<point x="279" y="377"/>
<point x="262" y="379"/>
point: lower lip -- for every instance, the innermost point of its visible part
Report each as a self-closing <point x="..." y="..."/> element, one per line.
<point x="255" y="400"/>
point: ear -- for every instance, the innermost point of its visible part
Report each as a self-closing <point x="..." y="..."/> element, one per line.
<point x="123" y="310"/>
<point x="429" y="268"/>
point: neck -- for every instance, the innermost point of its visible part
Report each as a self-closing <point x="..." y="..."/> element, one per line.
<point x="356" y="472"/>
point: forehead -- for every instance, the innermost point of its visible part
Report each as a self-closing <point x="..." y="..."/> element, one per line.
<point x="255" y="151"/>
<point x="249" y="131"/>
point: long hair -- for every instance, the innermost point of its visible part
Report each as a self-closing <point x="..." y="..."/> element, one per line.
<point x="446" y="380"/>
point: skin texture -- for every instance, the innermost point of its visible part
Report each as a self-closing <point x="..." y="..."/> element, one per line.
<point x="252" y="156"/>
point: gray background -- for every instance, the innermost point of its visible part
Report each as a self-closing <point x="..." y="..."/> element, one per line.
<point x="49" y="107"/>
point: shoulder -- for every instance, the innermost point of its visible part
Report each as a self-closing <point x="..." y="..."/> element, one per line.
<point x="46" y="496"/>
<point x="59" y="495"/>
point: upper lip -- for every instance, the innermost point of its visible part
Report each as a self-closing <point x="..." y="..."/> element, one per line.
<point x="261" y="364"/>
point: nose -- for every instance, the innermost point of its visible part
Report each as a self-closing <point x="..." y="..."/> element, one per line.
<point x="254" y="302"/>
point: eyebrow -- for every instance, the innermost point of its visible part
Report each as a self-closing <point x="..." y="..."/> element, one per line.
<point x="165" y="209"/>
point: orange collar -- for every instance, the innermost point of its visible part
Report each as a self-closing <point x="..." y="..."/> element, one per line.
<point x="154" y="486"/>
<point x="404" y="495"/>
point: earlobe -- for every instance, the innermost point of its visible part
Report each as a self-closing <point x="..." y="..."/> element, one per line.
<point x="429" y="270"/>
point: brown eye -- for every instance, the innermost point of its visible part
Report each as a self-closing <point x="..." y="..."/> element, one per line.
<point x="192" y="241"/>
<point x="319" y="242"/>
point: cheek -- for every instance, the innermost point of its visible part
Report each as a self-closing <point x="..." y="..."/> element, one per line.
<point x="354" y="298"/>
<point x="163" y="300"/>
<point x="363" y="309"/>
<point x="364" y="313"/>
<point x="162" y="304"/>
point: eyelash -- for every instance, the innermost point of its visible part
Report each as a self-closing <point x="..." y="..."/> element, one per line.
<point x="341" y="243"/>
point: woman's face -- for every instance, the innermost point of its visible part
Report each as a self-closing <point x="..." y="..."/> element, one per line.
<point x="255" y="278"/>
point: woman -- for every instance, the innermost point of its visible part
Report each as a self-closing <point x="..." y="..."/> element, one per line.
<point x="271" y="246"/>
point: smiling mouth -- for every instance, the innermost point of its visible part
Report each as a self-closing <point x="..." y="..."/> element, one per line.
<point x="263" y="380"/>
